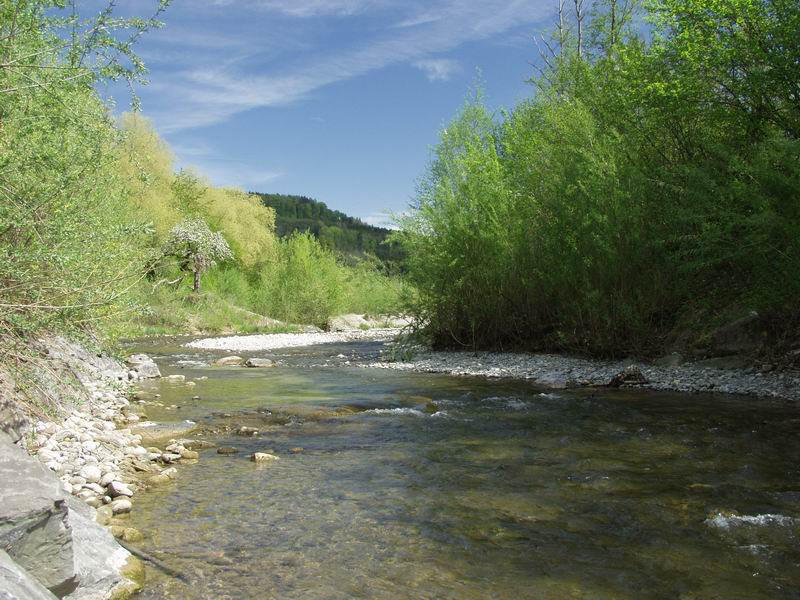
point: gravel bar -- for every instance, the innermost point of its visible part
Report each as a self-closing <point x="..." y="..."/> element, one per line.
<point x="555" y="371"/>
<point x="548" y="370"/>
<point x="272" y="341"/>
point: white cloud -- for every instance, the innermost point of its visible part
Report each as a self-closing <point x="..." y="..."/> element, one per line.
<point x="438" y="69"/>
<point x="220" y="85"/>
<point x="245" y="177"/>
<point x="306" y="8"/>
<point x="420" y="19"/>
<point x="381" y="219"/>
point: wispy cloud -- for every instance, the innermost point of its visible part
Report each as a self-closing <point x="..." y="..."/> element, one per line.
<point x="242" y="176"/>
<point x="306" y="8"/>
<point x="381" y="219"/>
<point x="438" y="69"/>
<point x="221" y="84"/>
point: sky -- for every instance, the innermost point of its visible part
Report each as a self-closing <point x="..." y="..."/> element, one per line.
<point x="339" y="100"/>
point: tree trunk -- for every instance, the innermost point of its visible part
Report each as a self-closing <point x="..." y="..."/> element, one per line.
<point x="197" y="281"/>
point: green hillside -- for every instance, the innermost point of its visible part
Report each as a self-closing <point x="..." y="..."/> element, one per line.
<point x="334" y="229"/>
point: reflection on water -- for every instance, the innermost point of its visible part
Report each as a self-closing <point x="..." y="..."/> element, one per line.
<point x="427" y="486"/>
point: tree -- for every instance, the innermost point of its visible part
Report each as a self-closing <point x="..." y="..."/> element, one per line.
<point x="196" y="247"/>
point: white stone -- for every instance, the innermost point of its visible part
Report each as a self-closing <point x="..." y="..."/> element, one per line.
<point x="55" y="466"/>
<point x="263" y="457"/>
<point x="91" y="473"/>
<point x="121" y="505"/>
<point x="117" y="488"/>
<point x="96" y="488"/>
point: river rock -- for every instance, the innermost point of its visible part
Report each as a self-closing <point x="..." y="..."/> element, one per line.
<point x="91" y="473"/>
<point x="117" y="488"/>
<point x="143" y="366"/>
<point x="176" y="378"/>
<point x="159" y="479"/>
<point x="556" y="381"/>
<point x="228" y="361"/>
<point x="227" y="450"/>
<point x="263" y="457"/>
<point x="189" y="454"/>
<point x="197" y="444"/>
<point x="121" y="506"/>
<point x="630" y="375"/>
<point x="103" y="515"/>
<point x="132" y="535"/>
<point x="259" y="363"/>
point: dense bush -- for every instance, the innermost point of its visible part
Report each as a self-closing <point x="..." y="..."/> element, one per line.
<point x="648" y="191"/>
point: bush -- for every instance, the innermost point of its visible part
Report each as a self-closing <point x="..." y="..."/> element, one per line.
<point x="643" y="195"/>
<point x="304" y="285"/>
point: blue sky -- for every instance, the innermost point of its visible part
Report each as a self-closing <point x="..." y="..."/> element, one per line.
<point x="340" y="100"/>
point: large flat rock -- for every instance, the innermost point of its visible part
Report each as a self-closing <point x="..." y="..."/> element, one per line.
<point x="33" y="519"/>
<point x="17" y="584"/>
<point x="99" y="559"/>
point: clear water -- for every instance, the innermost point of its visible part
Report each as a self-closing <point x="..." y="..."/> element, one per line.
<point x="427" y="486"/>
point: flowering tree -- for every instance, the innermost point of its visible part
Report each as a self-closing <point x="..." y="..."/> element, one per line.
<point x="196" y="247"/>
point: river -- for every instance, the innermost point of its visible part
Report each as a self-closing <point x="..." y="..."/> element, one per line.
<point x="431" y="486"/>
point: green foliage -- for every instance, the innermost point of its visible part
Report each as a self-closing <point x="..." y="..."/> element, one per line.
<point x="68" y="247"/>
<point x="305" y="285"/>
<point x="334" y="229"/>
<point x="645" y="193"/>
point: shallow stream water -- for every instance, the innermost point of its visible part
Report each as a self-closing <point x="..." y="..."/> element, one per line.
<point x="431" y="486"/>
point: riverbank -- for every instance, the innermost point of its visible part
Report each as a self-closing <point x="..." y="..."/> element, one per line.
<point x="547" y="370"/>
<point x="68" y="498"/>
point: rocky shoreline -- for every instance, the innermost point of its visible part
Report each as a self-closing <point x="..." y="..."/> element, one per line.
<point x="717" y="375"/>
<point x="561" y="372"/>
<point x="94" y="465"/>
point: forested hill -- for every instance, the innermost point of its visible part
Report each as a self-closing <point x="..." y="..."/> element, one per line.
<point x="334" y="229"/>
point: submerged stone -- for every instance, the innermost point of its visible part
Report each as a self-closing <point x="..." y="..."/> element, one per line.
<point x="263" y="457"/>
